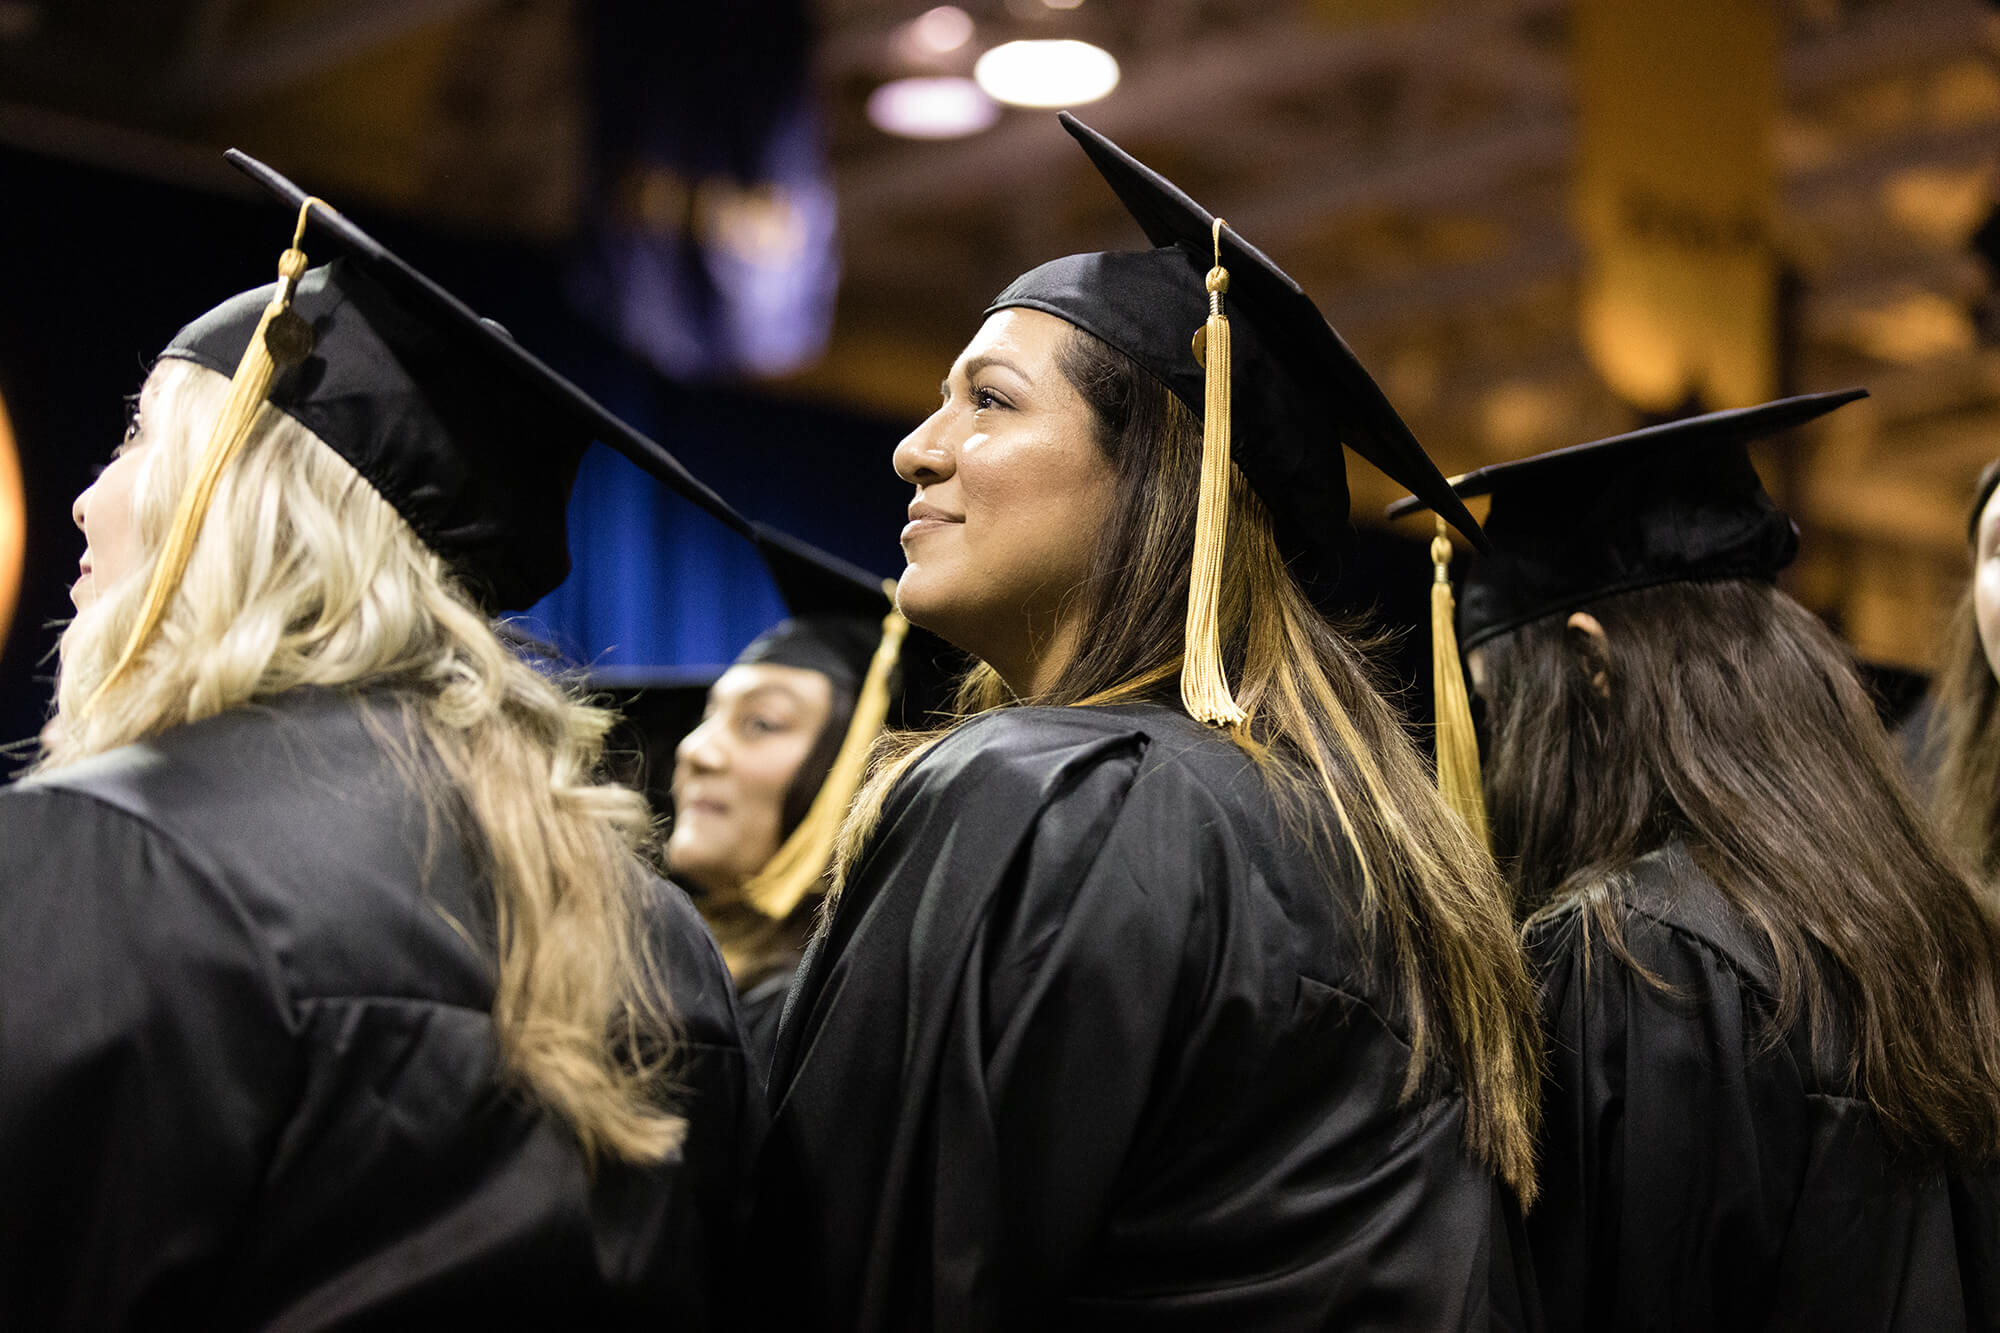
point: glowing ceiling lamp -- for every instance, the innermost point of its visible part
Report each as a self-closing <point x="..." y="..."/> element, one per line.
<point x="938" y="31"/>
<point x="1047" y="73"/>
<point x="931" y="108"/>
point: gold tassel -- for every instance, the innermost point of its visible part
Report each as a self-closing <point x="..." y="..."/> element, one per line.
<point x="799" y="866"/>
<point x="1457" y="743"/>
<point x="281" y="339"/>
<point x="1205" y="689"/>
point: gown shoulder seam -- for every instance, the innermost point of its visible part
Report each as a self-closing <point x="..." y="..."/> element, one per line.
<point x="192" y="862"/>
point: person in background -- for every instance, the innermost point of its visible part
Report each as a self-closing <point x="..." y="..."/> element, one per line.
<point x="1164" y="992"/>
<point x="763" y="782"/>
<point x="1772" y="1001"/>
<point x="336" y="992"/>
<point x="1963" y="734"/>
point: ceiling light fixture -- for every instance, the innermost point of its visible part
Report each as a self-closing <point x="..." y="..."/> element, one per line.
<point x="941" y="30"/>
<point x="1047" y="73"/>
<point x="931" y="108"/>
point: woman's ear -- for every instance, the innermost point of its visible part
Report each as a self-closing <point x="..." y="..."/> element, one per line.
<point x="1586" y="638"/>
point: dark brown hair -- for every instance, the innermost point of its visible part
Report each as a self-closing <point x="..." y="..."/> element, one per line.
<point x="1333" y="753"/>
<point x="1963" y="744"/>
<point x="818" y="761"/>
<point x="1730" y="719"/>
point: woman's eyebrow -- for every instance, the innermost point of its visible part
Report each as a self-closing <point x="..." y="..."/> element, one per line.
<point x="985" y="359"/>
<point x="770" y="690"/>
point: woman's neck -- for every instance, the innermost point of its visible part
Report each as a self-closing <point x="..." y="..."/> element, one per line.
<point x="1034" y="671"/>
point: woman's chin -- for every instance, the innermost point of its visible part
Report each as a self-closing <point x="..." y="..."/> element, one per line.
<point x="926" y="601"/>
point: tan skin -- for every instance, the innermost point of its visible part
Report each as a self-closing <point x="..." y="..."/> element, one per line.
<point x="103" y="513"/>
<point x="1011" y="491"/>
<point x="1986" y="581"/>
<point x="731" y="773"/>
<point x="1586" y="631"/>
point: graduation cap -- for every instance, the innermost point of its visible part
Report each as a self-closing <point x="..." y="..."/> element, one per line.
<point x="843" y="624"/>
<point x="471" y="438"/>
<point x="1241" y="344"/>
<point x="835" y="612"/>
<point x="1670" y="503"/>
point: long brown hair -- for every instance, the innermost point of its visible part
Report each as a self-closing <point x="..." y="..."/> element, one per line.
<point x="1333" y="754"/>
<point x="1727" y="717"/>
<point x="1964" y="745"/>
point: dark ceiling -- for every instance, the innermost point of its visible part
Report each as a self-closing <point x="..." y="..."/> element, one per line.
<point x="1408" y="160"/>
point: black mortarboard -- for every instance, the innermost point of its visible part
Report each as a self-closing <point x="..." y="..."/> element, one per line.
<point x="1298" y="391"/>
<point x="1659" y="505"/>
<point x="471" y="437"/>
<point x="836" y="610"/>
<point x="1669" y="503"/>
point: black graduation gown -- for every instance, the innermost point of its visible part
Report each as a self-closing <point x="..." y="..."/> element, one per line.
<point x="762" y="1005"/>
<point x="249" y="1078"/>
<point x="1091" y="1042"/>
<point x="1694" y="1177"/>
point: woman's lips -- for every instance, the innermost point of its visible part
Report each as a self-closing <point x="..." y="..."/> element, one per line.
<point x="921" y="525"/>
<point x="924" y="517"/>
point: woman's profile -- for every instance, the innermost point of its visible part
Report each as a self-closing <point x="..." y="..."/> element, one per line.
<point x="336" y="992"/>
<point x="1164" y="991"/>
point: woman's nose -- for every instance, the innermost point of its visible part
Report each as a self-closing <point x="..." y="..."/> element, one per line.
<point x="700" y="751"/>
<point x="924" y="456"/>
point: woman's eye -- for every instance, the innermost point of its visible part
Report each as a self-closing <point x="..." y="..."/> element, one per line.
<point x="985" y="398"/>
<point x="762" y="726"/>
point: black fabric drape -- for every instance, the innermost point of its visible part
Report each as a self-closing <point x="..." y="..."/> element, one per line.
<point x="1697" y="1177"/>
<point x="249" y="1077"/>
<point x="1093" y="1042"/>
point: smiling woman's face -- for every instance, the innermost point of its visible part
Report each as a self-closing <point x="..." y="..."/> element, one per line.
<point x="732" y="772"/>
<point x="1012" y="490"/>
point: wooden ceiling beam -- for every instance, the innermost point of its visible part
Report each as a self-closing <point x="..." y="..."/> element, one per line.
<point x="337" y="32"/>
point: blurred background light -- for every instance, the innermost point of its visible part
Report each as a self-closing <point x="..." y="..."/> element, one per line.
<point x="1055" y="73"/>
<point x="931" y="108"/>
<point x="13" y="524"/>
<point x="937" y="32"/>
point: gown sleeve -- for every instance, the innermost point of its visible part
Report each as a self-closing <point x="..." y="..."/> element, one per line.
<point x="1675" y="1136"/>
<point x="144" y="1055"/>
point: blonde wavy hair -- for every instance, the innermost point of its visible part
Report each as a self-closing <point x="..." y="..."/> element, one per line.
<point x="305" y="576"/>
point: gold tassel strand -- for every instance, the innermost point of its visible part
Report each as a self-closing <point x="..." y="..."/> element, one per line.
<point x="1457" y="743"/>
<point x="1205" y="691"/>
<point x="797" y="867"/>
<point x="281" y="339"/>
